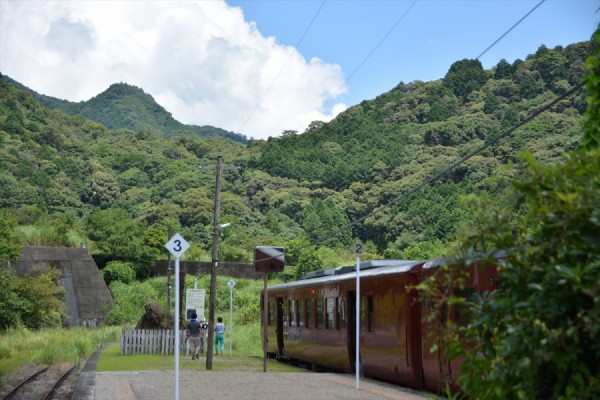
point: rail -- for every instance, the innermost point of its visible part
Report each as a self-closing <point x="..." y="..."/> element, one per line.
<point x="39" y="387"/>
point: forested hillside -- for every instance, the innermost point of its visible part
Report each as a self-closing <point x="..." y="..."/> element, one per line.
<point x="129" y="107"/>
<point x="66" y="179"/>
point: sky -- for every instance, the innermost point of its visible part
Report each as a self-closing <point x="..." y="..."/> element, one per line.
<point x="259" y="67"/>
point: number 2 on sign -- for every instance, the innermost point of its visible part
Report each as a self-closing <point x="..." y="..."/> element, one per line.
<point x="358" y="248"/>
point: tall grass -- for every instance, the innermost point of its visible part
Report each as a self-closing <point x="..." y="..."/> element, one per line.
<point x="20" y="347"/>
<point x="246" y="338"/>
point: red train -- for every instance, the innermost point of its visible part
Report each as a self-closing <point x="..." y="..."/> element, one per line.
<point x="313" y="321"/>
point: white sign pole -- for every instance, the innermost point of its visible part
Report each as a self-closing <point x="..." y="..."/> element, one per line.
<point x="177" y="246"/>
<point x="358" y="249"/>
<point x="231" y="284"/>
<point x="176" y="327"/>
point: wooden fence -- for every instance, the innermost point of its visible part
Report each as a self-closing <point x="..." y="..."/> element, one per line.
<point x="152" y="341"/>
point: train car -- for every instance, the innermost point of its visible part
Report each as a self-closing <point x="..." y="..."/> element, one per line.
<point x="313" y="321"/>
<point x="438" y="371"/>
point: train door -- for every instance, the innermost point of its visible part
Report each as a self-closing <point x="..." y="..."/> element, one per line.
<point x="351" y="326"/>
<point x="279" y="327"/>
<point x="435" y="368"/>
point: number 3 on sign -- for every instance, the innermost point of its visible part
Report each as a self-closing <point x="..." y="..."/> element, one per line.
<point x="177" y="245"/>
<point x="358" y="247"/>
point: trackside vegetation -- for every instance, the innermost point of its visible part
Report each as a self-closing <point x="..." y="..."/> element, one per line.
<point x="535" y="195"/>
<point x="538" y="336"/>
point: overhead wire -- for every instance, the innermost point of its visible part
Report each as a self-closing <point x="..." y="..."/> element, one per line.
<point x="463" y="159"/>
<point x="427" y="182"/>
<point x="387" y="34"/>
<point x="338" y="231"/>
<point x="264" y="96"/>
<point x="358" y="67"/>
<point x="510" y="29"/>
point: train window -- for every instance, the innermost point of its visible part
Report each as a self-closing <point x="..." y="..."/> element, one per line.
<point x="370" y="314"/>
<point x="285" y="314"/>
<point x="271" y="313"/>
<point x="341" y="311"/>
<point x="310" y="313"/>
<point x="363" y="314"/>
<point x="330" y="313"/>
<point x="319" y="313"/>
<point x="462" y="314"/>
<point x="293" y="319"/>
<point x="301" y="312"/>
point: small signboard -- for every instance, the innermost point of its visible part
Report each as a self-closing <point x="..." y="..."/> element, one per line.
<point x="358" y="247"/>
<point x="194" y="303"/>
<point x="269" y="258"/>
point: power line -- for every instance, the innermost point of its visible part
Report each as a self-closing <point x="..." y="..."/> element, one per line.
<point x="283" y="67"/>
<point x="388" y="33"/>
<point x="336" y="232"/>
<point x="457" y="163"/>
<point x="472" y="153"/>
<point x="510" y="29"/>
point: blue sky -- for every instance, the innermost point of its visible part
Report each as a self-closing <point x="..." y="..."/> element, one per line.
<point x="235" y="64"/>
<point x="425" y="42"/>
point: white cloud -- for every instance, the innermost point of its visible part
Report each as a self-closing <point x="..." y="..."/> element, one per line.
<point x="200" y="60"/>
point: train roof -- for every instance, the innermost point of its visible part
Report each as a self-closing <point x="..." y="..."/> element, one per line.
<point x="436" y="262"/>
<point x="367" y="268"/>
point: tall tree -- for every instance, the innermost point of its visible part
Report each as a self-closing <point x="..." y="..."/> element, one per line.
<point x="465" y="76"/>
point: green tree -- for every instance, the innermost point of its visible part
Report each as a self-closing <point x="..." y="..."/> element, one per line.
<point x="465" y="76"/>
<point x="103" y="189"/>
<point x="491" y="103"/>
<point x="538" y="336"/>
<point x="307" y="262"/>
<point x="9" y="249"/>
<point x="118" y="271"/>
<point x="552" y="66"/>
<point x="503" y="70"/>
<point x="117" y="237"/>
<point x="530" y="86"/>
<point x="31" y="301"/>
<point x="324" y="222"/>
<point x="591" y="138"/>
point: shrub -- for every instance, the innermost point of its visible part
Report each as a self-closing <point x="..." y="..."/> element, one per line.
<point x="538" y="336"/>
<point x="130" y="300"/>
<point x="118" y="271"/>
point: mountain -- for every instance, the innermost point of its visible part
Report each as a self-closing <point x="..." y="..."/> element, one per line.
<point x="362" y="167"/>
<point x="423" y="123"/>
<point x="124" y="106"/>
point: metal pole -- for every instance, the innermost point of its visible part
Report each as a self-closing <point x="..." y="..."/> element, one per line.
<point x="230" y="318"/>
<point x="169" y="278"/>
<point x="357" y="321"/>
<point x="177" y="343"/>
<point x="265" y="320"/>
<point x="213" y="271"/>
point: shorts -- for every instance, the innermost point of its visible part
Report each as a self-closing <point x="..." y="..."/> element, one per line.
<point x="194" y="340"/>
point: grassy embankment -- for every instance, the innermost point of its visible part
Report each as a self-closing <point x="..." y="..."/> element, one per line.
<point x="22" y="347"/>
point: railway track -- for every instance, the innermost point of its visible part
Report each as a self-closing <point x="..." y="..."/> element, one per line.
<point x="44" y="384"/>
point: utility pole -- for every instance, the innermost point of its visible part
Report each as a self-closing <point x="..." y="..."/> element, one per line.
<point x="215" y="262"/>
<point x="213" y="269"/>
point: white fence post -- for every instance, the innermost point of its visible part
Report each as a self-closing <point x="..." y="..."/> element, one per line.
<point x="152" y="341"/>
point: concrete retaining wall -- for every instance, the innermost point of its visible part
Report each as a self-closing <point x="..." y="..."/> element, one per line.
<point x="87" y="296"/>
<point x="236" y="270"/>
